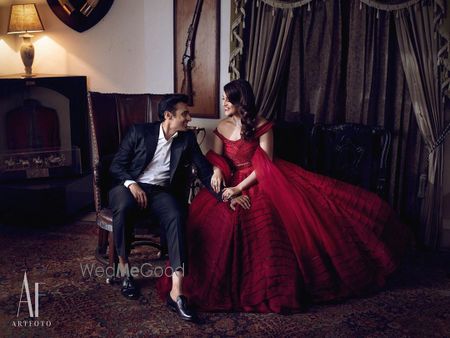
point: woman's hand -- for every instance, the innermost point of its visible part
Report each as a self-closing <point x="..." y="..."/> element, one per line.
<point x="242" y="200"/>
<point x="230" y="192"/>
<point x="217" y="180"/>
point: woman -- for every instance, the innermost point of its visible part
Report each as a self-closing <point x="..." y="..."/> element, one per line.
<point x="286" y="236"/>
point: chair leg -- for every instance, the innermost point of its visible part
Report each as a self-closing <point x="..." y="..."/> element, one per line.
<point x="102" y="244"/>
<point x="113" y="259"/>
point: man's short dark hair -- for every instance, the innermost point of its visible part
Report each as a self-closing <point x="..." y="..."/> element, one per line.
<point x="169" y="102"/>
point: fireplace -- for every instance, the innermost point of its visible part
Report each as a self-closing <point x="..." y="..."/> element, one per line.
<point x="44" y="147"/>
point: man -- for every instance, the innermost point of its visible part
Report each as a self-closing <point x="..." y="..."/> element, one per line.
<point x="151" y="168"/>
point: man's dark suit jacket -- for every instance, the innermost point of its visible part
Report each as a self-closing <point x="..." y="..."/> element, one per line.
<point x="138" y="148"/>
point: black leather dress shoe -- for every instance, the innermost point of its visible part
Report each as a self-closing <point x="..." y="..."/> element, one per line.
<point x="180" y="306"/>
<point x="129" y="288"/>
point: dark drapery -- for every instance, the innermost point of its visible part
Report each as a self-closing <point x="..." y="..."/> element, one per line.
<point x="267" y="53"/>
<point x="315" y="68"/>
<point x="419" y="44"/>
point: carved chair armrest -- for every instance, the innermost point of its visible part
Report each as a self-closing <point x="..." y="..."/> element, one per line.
<point x="194" y="183"/>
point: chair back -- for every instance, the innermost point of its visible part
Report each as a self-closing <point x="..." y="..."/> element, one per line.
<point x="291" y="140"/>
<point x="354" y="153"/>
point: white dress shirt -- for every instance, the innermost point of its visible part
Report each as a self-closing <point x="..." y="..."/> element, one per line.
<point x="157" y="171"/>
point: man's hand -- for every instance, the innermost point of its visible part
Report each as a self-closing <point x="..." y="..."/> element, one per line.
<point x="217" y="180"/>
<point x="139" y="195"/>
<point x="243" y="201"/>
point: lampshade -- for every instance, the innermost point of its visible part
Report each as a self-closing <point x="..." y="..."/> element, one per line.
<point x="24" y="19"/>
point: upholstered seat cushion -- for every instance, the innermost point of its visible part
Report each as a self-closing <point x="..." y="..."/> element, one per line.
<point x="104" y="219"/>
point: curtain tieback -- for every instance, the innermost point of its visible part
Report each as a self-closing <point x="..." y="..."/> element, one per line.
<point x="440" y="140"/>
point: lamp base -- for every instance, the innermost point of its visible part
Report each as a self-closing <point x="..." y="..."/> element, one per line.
<point x="27" y="76"/>
<point x="27" y="54"/>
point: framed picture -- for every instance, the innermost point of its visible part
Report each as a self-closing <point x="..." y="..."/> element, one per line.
<point x="198" y="45"/>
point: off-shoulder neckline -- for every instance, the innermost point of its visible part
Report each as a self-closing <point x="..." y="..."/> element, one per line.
<point x="216" y="131"/>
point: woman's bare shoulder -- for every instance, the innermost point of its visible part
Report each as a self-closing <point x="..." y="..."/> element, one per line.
<point x="224" y="125"/>
<point x="261" y="121"/>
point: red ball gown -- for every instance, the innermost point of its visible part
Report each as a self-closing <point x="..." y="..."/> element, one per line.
<point x="306" y="238"/>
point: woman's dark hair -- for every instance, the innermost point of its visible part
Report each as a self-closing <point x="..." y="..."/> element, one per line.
<point x="169" y="102"/>
<point x="240" y="94"/>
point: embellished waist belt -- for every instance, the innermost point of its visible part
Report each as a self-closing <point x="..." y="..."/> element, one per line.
<point x="240" y="166"/>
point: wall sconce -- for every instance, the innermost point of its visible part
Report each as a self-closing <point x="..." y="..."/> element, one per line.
<point x="24" y="19"/>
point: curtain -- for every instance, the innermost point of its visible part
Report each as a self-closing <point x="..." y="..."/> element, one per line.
<point x="315" y="72"/>
<point x="237" y="21"/>
<point x="267" y="52"/>
<point x="376" y="93"/>
<point x="419" y="44"/>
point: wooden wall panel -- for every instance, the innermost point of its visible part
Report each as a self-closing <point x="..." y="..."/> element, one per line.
<point x="205" y="71"/>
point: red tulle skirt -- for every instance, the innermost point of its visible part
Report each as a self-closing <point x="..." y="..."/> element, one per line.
<point x="306" y="238"/>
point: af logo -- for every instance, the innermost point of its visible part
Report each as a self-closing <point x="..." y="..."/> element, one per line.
<point x="33" y="313"/>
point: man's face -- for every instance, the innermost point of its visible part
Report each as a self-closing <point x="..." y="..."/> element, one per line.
<point x="180" y="118"/>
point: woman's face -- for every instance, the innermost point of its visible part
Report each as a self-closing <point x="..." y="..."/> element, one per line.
<point x="229" y="108"/>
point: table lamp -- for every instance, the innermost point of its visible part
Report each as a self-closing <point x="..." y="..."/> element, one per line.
<point x="24" y="19"/>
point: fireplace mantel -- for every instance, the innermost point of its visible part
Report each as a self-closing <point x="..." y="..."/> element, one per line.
<point x="54" y="182"/>
<point x="74" y="88"/>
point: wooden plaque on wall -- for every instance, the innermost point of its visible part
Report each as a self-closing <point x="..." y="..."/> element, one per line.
<point x="205" y="70"/>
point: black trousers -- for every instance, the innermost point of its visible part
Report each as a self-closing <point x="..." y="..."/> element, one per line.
<point x="162" y="205"/>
